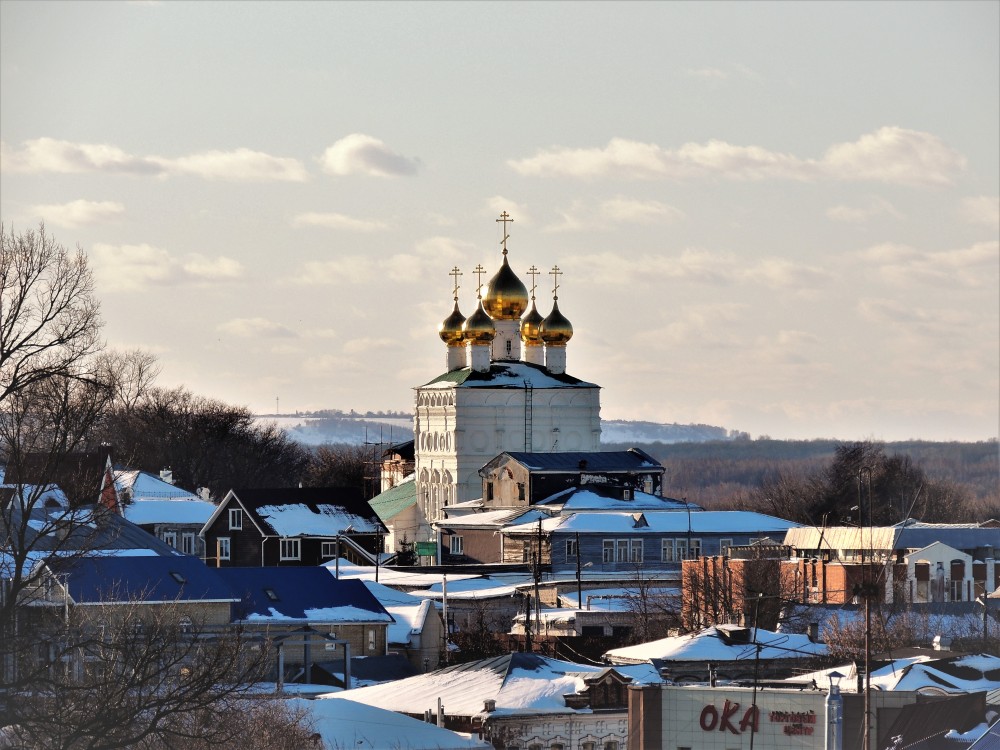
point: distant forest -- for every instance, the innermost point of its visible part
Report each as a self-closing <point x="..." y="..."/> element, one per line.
<point x="724" y="473"/>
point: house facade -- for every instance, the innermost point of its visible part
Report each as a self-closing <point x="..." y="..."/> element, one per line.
<point x="302" y="526"/>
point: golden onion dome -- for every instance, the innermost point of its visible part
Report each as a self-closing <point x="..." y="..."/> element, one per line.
<point x="450" y="329"/>
<point x="529" y="326"/>
<point x="506" y="296"/>
<point x="478" y="328"/>
<point x="555" y="330"/>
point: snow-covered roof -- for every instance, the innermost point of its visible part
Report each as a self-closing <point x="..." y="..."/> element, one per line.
<point x="173" y="510"/>
<point x="392" y="577"/>
<point x="142" y="484"/>
<point x="346" y="723"/>
<point x="518" y="682"/>
<point x="615" y="599"/>
<point x="590" y="498"/>
<point x="507" y="375"/>
<point x="923" y="674"/>
<point x="704" y="522"/>
<point x="485" y="587"/>
<point x="491" y="518"/>
<point x="715" y="644"/>
<point x="299" y="519"/>
<point x="410" y="612"/>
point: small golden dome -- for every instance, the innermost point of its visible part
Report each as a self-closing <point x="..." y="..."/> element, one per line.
<point x="450" y="329"/>
<point x="506" y="296"/>
<point x="529" y="326"/>
<point x="478" y="328"/>
<point x="555" y="330"/>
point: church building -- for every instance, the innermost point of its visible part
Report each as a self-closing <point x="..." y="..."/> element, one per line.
<point x="505" y="388"/>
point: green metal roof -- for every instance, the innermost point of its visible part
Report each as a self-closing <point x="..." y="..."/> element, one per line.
<point x="394" y="500"/>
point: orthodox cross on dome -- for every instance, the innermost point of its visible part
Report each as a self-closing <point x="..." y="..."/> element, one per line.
<point x="455" y="273"/>
<point x="533" y="272"/>
<point x="479" y="271"/>
<point x="505" y="218"/>
<point x="555" y="273"/>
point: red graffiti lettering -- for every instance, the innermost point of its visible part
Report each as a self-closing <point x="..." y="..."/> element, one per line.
<point x="709" y="717"/>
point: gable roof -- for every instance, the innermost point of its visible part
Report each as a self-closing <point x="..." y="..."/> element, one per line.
<point x="718" y="644"/>
<point x="150" y="579"/>
<point x="301" y="594"/>
<point x="303" y="511"/>
<point x="88" y="529"/>
<point x="575" y="462"/>
<point x="518" y="682"/>
<point x="669" y="522"/>
<point x="394" y="500"/>
<point x="602" y="497"/>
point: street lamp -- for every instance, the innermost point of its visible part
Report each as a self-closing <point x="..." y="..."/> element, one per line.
<point x="834" y="713"/>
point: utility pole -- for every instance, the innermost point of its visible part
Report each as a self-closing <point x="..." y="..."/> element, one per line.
<point x="579" y="583"/>
<point x="538" y="580"/>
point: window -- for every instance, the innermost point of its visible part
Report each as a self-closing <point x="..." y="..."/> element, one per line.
<point x="611" y="745"/>
<point x="271" y="594"/>
<point x="621" y="554"/>
<point x="456" y="545"/>
<point x="724" y="546"/>
<point x="235" y="519"/>
<point x="489" y="491"/>
<point x="571" y="550"/>
<point x="178" y="577"/>
<point x="169" y="537"/>
<point x="588" y="746"/>
<point x="635" y="550"/>
<point x="187" y="543"/>
<point x="328" y="549"/>
<point x="608" y="551"/>
<point x="222" y="547"/>
<point x="520" y="491"/>
<point x="680" y="549"/>
<point x="695" y="550"/>
<point x="371" y="639"/>
<point x="526" y="553"/>
<point x="289" y="549"/>
<point x="667" y="550"/>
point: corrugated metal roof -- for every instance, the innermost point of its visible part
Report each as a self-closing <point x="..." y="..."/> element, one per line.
<point x="395" y="500"/>
<point x="962" y="537"/>
<point x="584" y="461"/>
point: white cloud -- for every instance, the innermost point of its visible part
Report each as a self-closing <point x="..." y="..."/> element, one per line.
<point x="49" y="155"/>
<point x="982" y="209"/>
<point x="79" y="212"/>
<point x="363" y="154"/>
<point x="891" y="155"/>
<point x="874" y="206"/>
<point x="255" y="328"/>
<point x="716" y="73"/>
<point x="135" y="267"/>
<point x="614" y="212"/>
<point x="971" y="267"/>
<point x="783" y="274"/>
<point x="337" y="221"/>
<point x="241" y="165"/>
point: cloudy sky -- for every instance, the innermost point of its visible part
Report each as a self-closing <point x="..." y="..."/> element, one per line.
<point x="780" y="218"/>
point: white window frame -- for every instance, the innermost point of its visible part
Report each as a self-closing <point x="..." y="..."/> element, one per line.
<point x="571" y="549"/>
<point x="169" y="537"/>
<point x="694" y="551"/>
<point x="371" y="639"/>
<point x="666" y="550"/>
<point x="635" y="550"/>
<point x="621" y="550"/>
<point x="680" y="550"/>
<point x="328" y="549"/>
<point x="290" y="548"/>
<point x="457" y="545"/>
<point x="188" y="544"/>
<point x="236" y="519"/>
<point x="724" y="546"/>
<point x="225" y="547"/>
<point x="608" y="551"/>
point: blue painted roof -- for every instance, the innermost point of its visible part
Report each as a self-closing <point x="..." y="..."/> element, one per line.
<point x="301" y="593"/>
<point x="153" y="578"/>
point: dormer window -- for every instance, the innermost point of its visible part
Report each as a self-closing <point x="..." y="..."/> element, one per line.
<point x="270" y="594"/>
<point x="235" y="519"/>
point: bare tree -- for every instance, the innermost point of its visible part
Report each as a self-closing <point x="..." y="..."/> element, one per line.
<point x="49" y="317"/>
<point x="130" y="674"/>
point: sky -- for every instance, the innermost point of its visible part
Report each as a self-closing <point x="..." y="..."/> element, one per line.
<point x="778" y="218"/>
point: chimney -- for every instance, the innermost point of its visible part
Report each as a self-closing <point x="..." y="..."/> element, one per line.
<point x="489" y="706"/>
<point x="167" y="476"/>
<point x="813" y="632"/>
